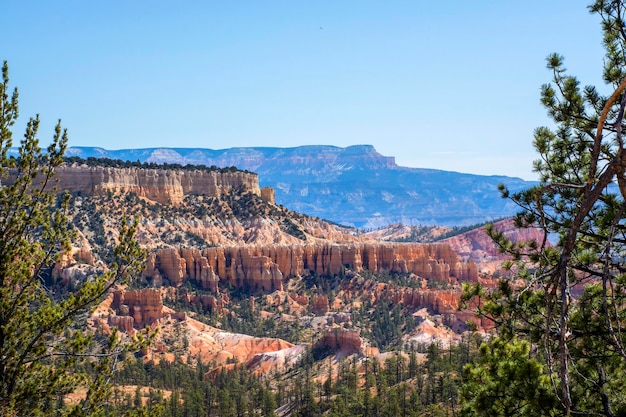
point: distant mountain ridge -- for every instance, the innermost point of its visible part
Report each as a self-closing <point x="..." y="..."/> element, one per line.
<point x="354" y="186"/>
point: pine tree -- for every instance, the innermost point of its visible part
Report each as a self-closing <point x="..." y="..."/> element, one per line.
<point x="42" y="335"/>
<point x="572" y="303"/>
<point x="507" y="381"/>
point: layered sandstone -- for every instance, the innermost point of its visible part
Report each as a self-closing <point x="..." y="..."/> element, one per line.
<point x="137" y="308"/>
<point x="477" y="246"/>
<point x="69" y="262"/>
<point x="211" y="345"/>
<point x="268" y="194"/>
<point x="213" y="303"/>
<point x="159" y="185"/>
<point x="444" y="303"/>
<point x="131" y="310"/>
<point x="266" y="267"/>
<point x="428" y="332"/>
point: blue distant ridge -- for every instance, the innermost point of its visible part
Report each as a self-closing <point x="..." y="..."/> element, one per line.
<point x="354" y="186"/>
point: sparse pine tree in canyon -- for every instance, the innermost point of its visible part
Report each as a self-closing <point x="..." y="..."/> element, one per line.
<point x="43" y="337"/>
<point x="569" y="297"/>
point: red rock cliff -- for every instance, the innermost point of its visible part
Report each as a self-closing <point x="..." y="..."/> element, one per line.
<point x="137" y="308"/>
<point x="265" y="267"/>
<point x="476" y="245"/>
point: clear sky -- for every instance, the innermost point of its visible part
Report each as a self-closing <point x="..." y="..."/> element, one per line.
<point x="451" y="85"/>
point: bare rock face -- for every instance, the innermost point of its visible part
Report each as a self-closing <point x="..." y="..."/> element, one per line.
<point x="124" y="323"/>
<point x="144" y="307"/>
<point x="268" y="194"/>
<point x="211" y="345"/>
<point x="301" y="299"/>
<point x="320" y="305"/>
<point x="266" y="267"/>
<point x="475" y="245"/>
<point x="265" y="274"/>
<point x="159" y="185"/>
<point x="437" y="301"/>
<point x="73" y="263"/>
<point x="171" y="265"/>
<point x="347" y="341"/>
<point x="199" y="269"/>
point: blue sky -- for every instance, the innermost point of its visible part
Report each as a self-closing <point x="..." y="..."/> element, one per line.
<point x="449" y="85"/>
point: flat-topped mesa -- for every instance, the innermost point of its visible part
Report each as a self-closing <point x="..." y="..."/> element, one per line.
<point x="165" y="186"/>
<point x="265" y="267"/>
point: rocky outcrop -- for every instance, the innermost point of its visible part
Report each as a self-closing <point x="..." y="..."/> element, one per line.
<point x="124" y="323"/>
<point x="443" y="303"/>
<point x="132" y="310"/>
<point x="209" y="303"/>
<point x="268" y="194"/>
<point x="166" y="186"/>
<point x="136" y="309"/>
<point x="346" y="341"/>
<point x="476" y="246"/>
<point x="280" y="360"/>
<point x="437" y="301"/>
<point x="211" y="345"/>
<point x="320" y="305"/>
<point x="76" y="256"/>
<point x="265" y="267"/>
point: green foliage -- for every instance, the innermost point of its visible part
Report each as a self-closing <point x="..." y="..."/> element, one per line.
<point x="43" y="337"/>
<point x="291" y="228"/>
<point x="399" y="386"/>
<point x="507" y="381"/>
<point x="352" y="387"/>
<point x="384" y="324"/>
<point x="118" y="163"/>
<point x="232" y="393"/>
<point x="570" y="296"/>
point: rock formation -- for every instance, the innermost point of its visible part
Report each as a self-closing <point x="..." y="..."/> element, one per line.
<point x="124" y="323"/>
<point x="136" y="309"/>
<point x="266" y="267"/>
<point x="476" y="246"/>
<point x="320" y="305"/>
<point x="166" y="186"/>
<point x="268" y="194"/>
<point x="346" y="341"/>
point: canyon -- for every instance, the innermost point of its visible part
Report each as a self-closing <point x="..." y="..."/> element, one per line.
<point x="219" y="249"/>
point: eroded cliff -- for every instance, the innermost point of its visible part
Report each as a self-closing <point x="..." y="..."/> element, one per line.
<point x="475" y="245"/>
<point x="266" y="267"/>
<point x="165" y="186"/>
